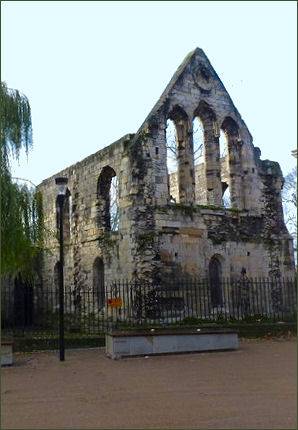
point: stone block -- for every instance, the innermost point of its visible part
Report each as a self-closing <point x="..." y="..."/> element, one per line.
<point x="129" y="344"/>
<point x="6" y="353"/>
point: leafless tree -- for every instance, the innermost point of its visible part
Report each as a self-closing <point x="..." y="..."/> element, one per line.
<point x="114" y="203"/>
<point x="289" y="199"/>
<point x="171" y="142"/>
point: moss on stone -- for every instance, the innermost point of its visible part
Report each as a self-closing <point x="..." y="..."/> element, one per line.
<point x="145" y="240"/>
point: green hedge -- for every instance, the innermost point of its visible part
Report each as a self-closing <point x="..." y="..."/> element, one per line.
<point x="248" y="330"/>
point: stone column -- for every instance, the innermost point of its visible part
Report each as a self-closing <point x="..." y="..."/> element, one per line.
<point x="212" y="165"/>
<point x="185" y="158"/>
<point x="235" y="172"/>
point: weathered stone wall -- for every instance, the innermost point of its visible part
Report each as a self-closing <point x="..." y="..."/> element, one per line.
<point x="88" y="239"/>
<point x="157" y="237"/>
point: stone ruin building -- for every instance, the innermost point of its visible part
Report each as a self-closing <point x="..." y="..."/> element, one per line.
<point x="186" y="195"/>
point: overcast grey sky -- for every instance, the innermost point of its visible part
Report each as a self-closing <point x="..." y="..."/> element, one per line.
<point x="93" y="70"/>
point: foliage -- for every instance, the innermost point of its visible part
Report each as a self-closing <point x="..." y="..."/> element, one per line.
<point x="21" y="206"/>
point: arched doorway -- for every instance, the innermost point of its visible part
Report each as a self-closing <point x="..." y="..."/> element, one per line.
<point x="215" y="275"/>
<point x="98" y="281"/>
<point x="23" y="303"/>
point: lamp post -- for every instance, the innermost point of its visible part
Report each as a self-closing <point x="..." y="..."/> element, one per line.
<point x="62" y="188"/>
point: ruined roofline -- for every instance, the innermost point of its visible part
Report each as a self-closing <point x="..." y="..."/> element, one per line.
<point x="180" y="70"/>
<point x="100" y="152"/>
<point x="162" y="99"/>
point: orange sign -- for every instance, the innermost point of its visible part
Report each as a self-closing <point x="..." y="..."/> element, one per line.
<point x="115" y="302"/>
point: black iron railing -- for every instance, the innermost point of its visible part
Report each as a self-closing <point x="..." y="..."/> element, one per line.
<point x="132" y="303"/>
<point x="199" y="299"/>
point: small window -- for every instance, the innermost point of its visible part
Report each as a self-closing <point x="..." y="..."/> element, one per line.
<point x="226" y="196"/>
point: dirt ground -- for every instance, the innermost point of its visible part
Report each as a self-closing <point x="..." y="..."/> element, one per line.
<point x="252" y="388"/>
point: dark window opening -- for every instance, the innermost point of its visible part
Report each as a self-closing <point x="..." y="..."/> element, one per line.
<point x="98" y="282"/>
<point x="215" y="277"/>
<point x="23" y="303"/>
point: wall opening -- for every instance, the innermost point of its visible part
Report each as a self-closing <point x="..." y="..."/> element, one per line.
<point x="183" y="149"/>
<point x="108" y="199"/>
<point x="23" y="302"/>
<point x="223" y="144"/>
<point x="172" y="163"/>
<point x="233" y="174"/>
<point x="210" y="186"/>
<point x="215" y="279"/>
<point x="198" y="141"/>
<point x="98" y="282"/>
<point x="226" y="196"/>
<point x="199" y="160"/>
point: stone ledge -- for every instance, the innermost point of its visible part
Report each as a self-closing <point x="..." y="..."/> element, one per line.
<point x="137" y="343"/>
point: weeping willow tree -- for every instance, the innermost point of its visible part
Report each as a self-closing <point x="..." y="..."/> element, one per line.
<point x="21" y="206"/>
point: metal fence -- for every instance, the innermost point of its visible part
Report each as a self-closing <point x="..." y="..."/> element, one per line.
<point x="181" y="301"/>
<point x="128" y="303"/>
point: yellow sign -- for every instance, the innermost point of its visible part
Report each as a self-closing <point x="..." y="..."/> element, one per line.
<point x="115" y="302"/>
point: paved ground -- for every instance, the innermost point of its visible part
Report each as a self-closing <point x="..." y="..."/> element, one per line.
<point x="252" y="388"/>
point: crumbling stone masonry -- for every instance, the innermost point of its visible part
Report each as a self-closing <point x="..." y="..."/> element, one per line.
<point x="172" y="225"/>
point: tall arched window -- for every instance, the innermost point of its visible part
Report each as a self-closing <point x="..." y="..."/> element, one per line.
<point x="108" y="197"/>
<point x="172" y="163"/>
<point x="224" y="169"/>
<point x="198" y="140"/>
<point x="199" y="160"/>
<point x="211" y="153"/>
<point x="234" y="166"/>
<point x="98" y="282"/>
<point x="183" y="150"/>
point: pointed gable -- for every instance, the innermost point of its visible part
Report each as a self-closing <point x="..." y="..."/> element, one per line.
<point x="196" y="80"/>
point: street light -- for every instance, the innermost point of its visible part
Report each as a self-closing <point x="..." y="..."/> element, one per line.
<point x="62" y="189"/>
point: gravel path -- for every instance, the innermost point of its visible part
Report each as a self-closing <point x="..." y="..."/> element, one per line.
<point x="252" y="388"/>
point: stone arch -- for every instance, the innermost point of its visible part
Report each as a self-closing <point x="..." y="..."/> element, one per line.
<point x="172" y="162"/>
<point x="98" y="281"/>
<point x="108" y="199"/>
<point x="215" y="280"/>
<point x="211" y="151"/>
<point x="184" y="155"/>
<point x="231" y="130"/>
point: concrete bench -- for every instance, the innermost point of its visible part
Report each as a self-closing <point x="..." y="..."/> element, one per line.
<point x="169" y="341"/>
<point x="6" y="352"/>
